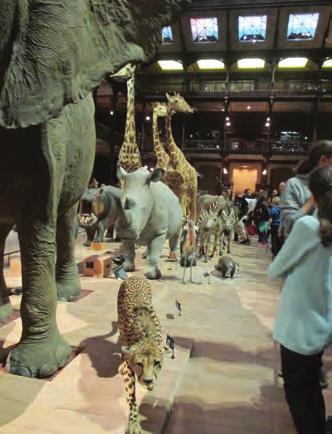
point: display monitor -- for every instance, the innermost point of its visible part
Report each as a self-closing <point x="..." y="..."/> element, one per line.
<point x="252" y="28"/>
<point x="302" y="27"/>
<point x="167" y="35"/>
<point x="204" y="29"/>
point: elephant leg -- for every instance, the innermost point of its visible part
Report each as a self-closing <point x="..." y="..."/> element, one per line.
<point x="5" y="306"/>
<point x="154" y="252"/>
<point x="67" y="279"/>
<point x="41" y="350"/>
<point x="90" y="236"/>
<point x="129" y="254"/>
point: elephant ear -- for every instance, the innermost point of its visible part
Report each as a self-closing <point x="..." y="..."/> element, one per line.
<point x="56" y="53"/>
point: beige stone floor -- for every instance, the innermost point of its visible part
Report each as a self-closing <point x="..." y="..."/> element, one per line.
<point x="229" y="385"/>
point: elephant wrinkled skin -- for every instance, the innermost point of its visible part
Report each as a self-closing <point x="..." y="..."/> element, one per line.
<point x="52" y="55"/>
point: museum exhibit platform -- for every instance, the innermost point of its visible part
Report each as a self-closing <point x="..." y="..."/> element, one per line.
<point x="223" y="379"/>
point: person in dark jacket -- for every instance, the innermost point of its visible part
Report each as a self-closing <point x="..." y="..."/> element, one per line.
<point x="297" y="200"/>
<point x="274" y="224"/>
<point x="262" y="217"/>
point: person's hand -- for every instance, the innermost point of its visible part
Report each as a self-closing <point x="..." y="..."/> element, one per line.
<point x="309" y="205"/>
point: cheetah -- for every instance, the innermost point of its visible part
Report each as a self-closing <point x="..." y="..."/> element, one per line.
<point x="141" y="340"/>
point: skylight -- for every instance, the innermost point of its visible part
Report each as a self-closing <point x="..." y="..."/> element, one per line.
<point x="252" y="29"/>
<point x="167" y="35"/>
<point x="251" y="63"/>
<point x="302" y="27"/>
<point x="170" y="65"/>
<point x="204" y="29"/>
<point x="293" y="62"/>
<point x="327" y="63"/>
<point x="210" y="64"/>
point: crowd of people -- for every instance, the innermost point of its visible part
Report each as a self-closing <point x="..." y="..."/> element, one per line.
<point x="303" y="325"/>
<point x="297" y="219"/>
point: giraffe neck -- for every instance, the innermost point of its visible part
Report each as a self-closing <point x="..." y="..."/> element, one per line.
<point x="162" y="156"/>
<point x="129" y="145"/>
<point x="177" y="157"/>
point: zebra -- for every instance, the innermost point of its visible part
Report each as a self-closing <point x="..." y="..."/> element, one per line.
<point x="210" y="224"/>
<point x="232" y="224"/>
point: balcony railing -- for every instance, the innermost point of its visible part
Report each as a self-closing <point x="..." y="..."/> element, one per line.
<point x="245" y="147"/>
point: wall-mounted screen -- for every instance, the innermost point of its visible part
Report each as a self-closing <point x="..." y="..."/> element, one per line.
<point x="204" y="29"/>
<point x="302" y="27"/>
<point x="167" y="35"/>
<point x="252" y="29"/>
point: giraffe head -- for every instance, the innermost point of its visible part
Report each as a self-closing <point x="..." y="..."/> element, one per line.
<point x="178" y="104"/>
<point x="125" y="73"/>
<point x="160" y="109"/>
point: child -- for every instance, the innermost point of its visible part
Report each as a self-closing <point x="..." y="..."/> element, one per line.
<point x="275" y="223"/>
<point x="304" y="320"/>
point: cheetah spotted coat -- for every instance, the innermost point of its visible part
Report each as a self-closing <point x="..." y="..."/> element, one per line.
<point x="141" y="341"/>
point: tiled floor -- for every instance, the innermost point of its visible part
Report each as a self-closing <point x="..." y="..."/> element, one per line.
<point x="229" y="385"/>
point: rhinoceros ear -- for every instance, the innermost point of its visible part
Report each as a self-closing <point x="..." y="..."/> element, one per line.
<point x="120" y="173"/>
<point x="156" y="175"/>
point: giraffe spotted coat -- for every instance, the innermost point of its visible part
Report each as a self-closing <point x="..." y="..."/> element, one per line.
<point x="141" y="340"/>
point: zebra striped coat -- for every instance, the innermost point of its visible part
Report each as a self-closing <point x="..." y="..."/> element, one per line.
<point x="210" y="225"/>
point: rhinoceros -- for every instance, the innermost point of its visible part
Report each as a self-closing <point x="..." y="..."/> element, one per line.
<point x="150" y="213"/>
<point x="99" y="208"/>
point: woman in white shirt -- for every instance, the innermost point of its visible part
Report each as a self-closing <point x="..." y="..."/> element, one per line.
<point x="304" y="319"/>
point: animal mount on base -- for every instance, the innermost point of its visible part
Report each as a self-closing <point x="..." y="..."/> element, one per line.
<point x="97" y="246"/>
<point x="227" y="266"/>
<point x="141" y="339"/>
<point x="188" y="246"/>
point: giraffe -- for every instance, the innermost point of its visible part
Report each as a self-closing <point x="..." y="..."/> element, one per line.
<point x="163" y="158"/>
<point x="178" y="159"/>
<point x="129" y="155"/>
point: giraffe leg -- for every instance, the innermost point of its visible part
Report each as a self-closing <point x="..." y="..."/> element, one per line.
<point x="173" y="245"/>
<point x="183" y="204"/>
<point x="192" y="205"/>
<point x="134" y="426"/>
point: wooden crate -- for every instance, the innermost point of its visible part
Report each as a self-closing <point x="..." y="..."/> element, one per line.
<point x="97" y="266"/>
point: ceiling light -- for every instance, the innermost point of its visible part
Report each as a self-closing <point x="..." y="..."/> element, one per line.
<point x="293" y="62"/>
<point x="264" y="172"/>
<point x="210" y="64"/>
<point x="228" y="124"/>
<point x="267" y="124"/>
<point x="170" y="65"/>
<point x="227" y="118"/>
<point x="251" y="63"/>
<point x="225" y="171"/>
<point x="248" y="107"/>
<point x="147" y="118"/>
<point x="268" y="119"/>
<point x="327" y="63"/>
<point x="111" y="112"/>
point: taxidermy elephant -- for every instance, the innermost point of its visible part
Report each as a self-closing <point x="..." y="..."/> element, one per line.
<point x="150" y="214"/>
<point x="99" y="208"/>
<point x="52" y="55"/>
